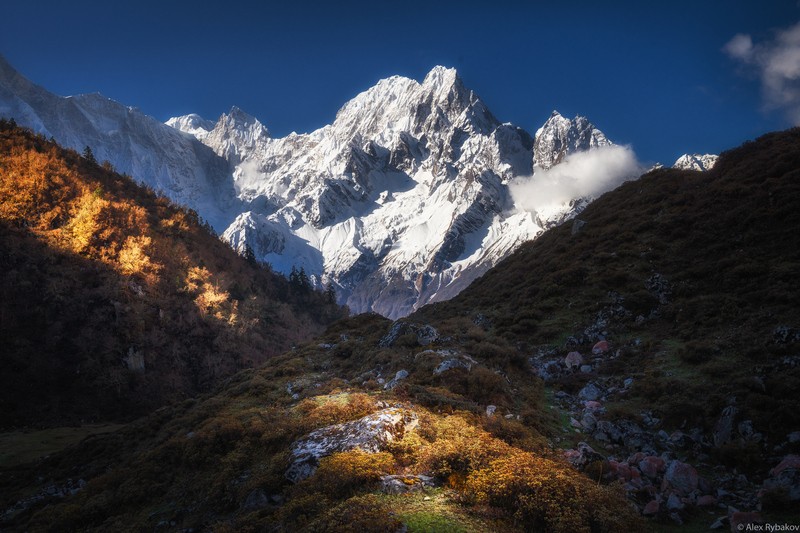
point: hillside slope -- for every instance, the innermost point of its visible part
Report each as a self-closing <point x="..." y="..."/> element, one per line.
<point x="663" y="330"/>
<point x="700" y="268"/>
<point x="115" y="301"/>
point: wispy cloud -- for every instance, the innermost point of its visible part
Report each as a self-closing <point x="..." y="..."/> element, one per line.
<point x="580" y="175"/>
<point x="777" y="63"/>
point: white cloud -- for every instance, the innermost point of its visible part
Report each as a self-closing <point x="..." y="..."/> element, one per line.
<point x="777" y="63"/>
<point x="740" y="47"/>
<point x="582" y="174"/>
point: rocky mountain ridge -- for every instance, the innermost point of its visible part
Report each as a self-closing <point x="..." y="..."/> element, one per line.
<point x="401" y="201"/>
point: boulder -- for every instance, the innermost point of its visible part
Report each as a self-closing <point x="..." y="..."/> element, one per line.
<point x="425" y="334"/>
<point x="620" y="470"/>
<point x="402" y="484"/>
<point x="607" y="431"/>
<point x="723" y="429"/>
<point x="783" y="482"/>
<point x="651" y="509"/>
<point x="490" y="409"/>
<point x="398" y="377"/>
<point x="573" y="360"/>
<point x="681" y="476"/>
<point x="371" y="433"/>
<point x="449" y="364"/>
<point x="600" y="347"/>
<point x="674" y="503"/>
<point x="651" y="466"/>
<point x="588" y="421"/>
<point x="706" y="501"/>
<point x="547" y="370"/>
<point x="590" y="392"/>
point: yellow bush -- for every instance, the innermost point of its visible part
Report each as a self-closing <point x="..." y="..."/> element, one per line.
<point x="345" y="472"/>
<point x="133" y="258"/>
<point x="456" y="447"/>
<point x="335" y="409"/>
<point x="548" y="495"/>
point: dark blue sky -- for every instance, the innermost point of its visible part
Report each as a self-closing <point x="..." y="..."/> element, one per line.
<point x="653" y="77"/>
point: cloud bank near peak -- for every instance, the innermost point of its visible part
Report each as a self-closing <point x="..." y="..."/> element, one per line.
<point x="777" y="64"/>
<point x="581" y="175"/>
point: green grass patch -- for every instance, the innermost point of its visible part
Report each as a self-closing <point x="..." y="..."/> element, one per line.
<point x="441" y="514"/>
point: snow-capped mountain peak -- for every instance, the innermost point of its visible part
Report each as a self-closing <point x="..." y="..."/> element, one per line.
<point x="192" y="124"/>
<point x="699" y="162"/>
<point x="560" y="136"/>
<point x="440" y="76"/>
<point x="403" y="200"/>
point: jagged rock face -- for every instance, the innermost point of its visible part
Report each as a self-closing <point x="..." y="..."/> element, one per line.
<point x="696" y="162"/>
<point x="402" y="201"/>
<point x="560" y="136"/>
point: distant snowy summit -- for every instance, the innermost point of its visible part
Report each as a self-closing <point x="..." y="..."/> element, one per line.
<point x="403" y="200"/>
<point x="560" y="136"/>
<point x="696" y="162"/>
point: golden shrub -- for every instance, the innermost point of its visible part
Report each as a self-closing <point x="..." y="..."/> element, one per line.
<point x="335" y="409"/>
<point x="548" y="495"/>
<point x="346" y="472"/>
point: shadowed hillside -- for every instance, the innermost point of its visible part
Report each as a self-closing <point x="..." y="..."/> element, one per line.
<point x="640" y="363"/>
<point x="114" y="301"/>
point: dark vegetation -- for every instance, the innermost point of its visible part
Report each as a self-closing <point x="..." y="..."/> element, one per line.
<point x="692" y="278"/>
<point x="114" y="301"/>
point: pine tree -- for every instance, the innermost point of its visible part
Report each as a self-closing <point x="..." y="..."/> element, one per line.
<point x="249" y="255"/>
<point x="305" y="283"/>
<point x="330" y="293"/>
<point x="89" y="155"/>
<point x="294" y="279"/>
